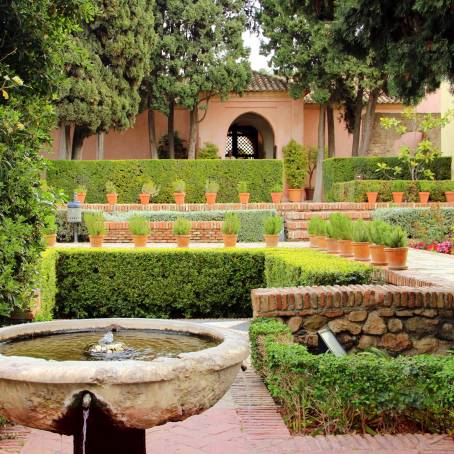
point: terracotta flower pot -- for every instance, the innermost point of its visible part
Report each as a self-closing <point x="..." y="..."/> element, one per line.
<point x="449" y="196"/>
<point x="345" y="248"/>
<point x="276" y="197"/>
<point x="424" y="196"/>
<point x="372" y="197"/>
<point x="179" y="197"/>
<point x="396" y="257"/>
<point x="309" y="193"/>
<point x="80" y="197"/>
<point x="51" y="240"/>
<point x="361" y="251"/>
<point x="398" y="197"/>
<point x="140" y="240"/>
<point x="332" y="245"/>
<point x="144" y="198"/>
<point x="314" y="241"/>
<point x="271" y="240"/>
<point x="294" y="195"/>
<point x="183" y="240"/>
<point x="322" y="243"/>
<point x="230" y="240"/>
<point x="96" y="240"/>
<point x="211" y="197"/>
<point x="377" y="254"/>
<point x="112" y="198"/>
<point x="244" y="197"/>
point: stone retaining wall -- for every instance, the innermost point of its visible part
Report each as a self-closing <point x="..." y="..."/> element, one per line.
<point x="399" y="319"/>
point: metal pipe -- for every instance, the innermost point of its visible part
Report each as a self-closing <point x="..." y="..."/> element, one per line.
<point x="86" y="400"/>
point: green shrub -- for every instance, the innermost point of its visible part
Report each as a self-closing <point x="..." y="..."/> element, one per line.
<point x="341" y="226"/>
<point x="129" y="176"/>
<point x="395" y="237"/>
<point x="337" y="170"/>
<point x="179" y="186"/>
<point x="360" y="392"/>
<point x="182" y="226"/>
<point x="243" y="187"/>
<point x="149" y="187"/>
<point x="47" y="283"/>
<point x="50" y="225"/>
<point x="139" y="225"/>
<point x="231" y="224"/>
<point x="360" y="232"/>
<point x="80" y="188"/>
<point x="314" y="226"/>
<point x="110" y="188"/>
<point x="211" y="186"/>
<point x="95" y="224"/>
<point x="208" y="151"/>
<point x="377" y="231"/>
<point x="277" y="188"/>
<point x="273" y="225"/>
<point x="355" y="191"/>
<point x="295" y="164"/>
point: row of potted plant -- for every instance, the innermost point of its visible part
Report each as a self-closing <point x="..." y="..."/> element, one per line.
<point x="377" y="241"/>
<point x="399" y="196"/>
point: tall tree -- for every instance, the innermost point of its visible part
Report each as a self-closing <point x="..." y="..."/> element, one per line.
<point x="109" y="58"/>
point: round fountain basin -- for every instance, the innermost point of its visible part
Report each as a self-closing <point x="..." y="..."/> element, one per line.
<point x="136" y="393"/>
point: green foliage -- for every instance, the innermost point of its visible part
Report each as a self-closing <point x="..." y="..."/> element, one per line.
<point x="277" y="188"/>
<point x="150" y="187"/>
<point x="139" y="225"/>
<point x="285" y="268"/>
<point x="295" y="164"/>
<point x="341" y="225"/>
<point x="315" y="226"/>
<point x="360" y="231"/>
<point x="211" y="186"/>
<point x="231" y="224"/>
<point x="242" y="187"/>
<point x="338" y="170"/>
<point x="47" y="283"/>
<point x="372" y="392"/>
<point x="182" y="226"/>
<point x="378" y="230"/>
<point x="129" y="176"/>
<point x="181" y="152"/>
<point x="80" y="188"/>
<point x="110" y="188"/>
<point x="208" y="151"/>
<point x="179" y="186"/>
<point x="95" y="224"/>
<point x="395" y="237"/>
<point x="273" y="225"/>
<point x="50" y="225"/>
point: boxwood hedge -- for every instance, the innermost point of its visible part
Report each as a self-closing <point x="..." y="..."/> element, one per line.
<point x="338" y="170"/>
<point x="129" y="176"/>
<point x="172" y="283"/>
<point x="372" y="392"/>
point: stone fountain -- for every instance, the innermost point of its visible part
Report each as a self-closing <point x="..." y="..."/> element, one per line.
<point x="107" y="405"/>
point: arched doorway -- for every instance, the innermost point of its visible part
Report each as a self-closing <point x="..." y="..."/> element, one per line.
<point x="250" y="136"/>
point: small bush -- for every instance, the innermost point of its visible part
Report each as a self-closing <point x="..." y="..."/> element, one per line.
<point x="273" y="225"/>
<point x="231" y="224"/>
<point x="208" y="151"/>
<point x="243" y="187"/>
<point x="139" y="225"/>
<point x="179" y="186"/>
<point x="110" y="188"/>
<point x="395" y="237"/>
<point x="50" y="225"/>
<point x="149" y="187"/>
<point x="341" y="226"/>
<point x="182" y="226"/>
<point x="212" y="186"/>
<point x="314" y="226"/>
<point x="378" y="230"/>
<point x="295" y="164"/>
<point x="95" y="224"/>
<point x="360" y="231"/>
<point x="80" y="189"/>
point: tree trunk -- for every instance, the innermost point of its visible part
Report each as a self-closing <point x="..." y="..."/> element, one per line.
<point x="357" y="123"/>
<point x="64" y="151"/>
<point x="320" y="155"/>
<point x="100" y="146"/>
<point x="171" y="130"/>
<point x="193" y="120"/>
<point x="331" y="135"/>
<point x="80" y="134"/>
<point x="369" y="122"/>
<point x="152" y="135"/>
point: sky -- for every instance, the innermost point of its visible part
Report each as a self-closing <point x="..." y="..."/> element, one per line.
<point x="253" y="42"/>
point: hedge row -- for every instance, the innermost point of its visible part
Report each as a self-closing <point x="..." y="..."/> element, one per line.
<point x="47" y="283"/>
<point x="129" y="176"/>
<point x="338" y="170"/>
<point x="372" y="392"/>
<point x="355" y="191"/>
<point x="172" y="283"/>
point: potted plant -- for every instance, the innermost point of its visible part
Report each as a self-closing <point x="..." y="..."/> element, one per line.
<point x="396" y="250"/>
<point x="111" y="193"/>
<point x="230" y="228"/>
<point x="449" y="196"/>
<point x="179" y="191"/>
<point x="243" y="192"/>
<point x="331" y="240"/>
<point x="377" y="233"/>
<point x="149" y="189"/>
<point x="272" y="226"/>
<point x="323" y="239"/>
<point x="360" y="241"/>
<point x="311" y="153"/>
<point x="295" y="169"/>
<point x="276" y="193"/>
<point x="211" y="191"/>
<point x="343" y="230"/>
<point x="80" y="192"/>
<point x="50" y="230"/>
<point x="95" y="227"/>
<point x="139" y="226"/>
<point x="314" y="229"/>
<point x="424" y="196"/>
<point x="181" y="230"/>
<point x="398" y="188"/>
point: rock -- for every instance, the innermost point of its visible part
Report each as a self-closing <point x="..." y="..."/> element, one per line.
<point x="395" y="325"/>
<point x="334" y="313"/>
<point x="385" y="312"/>
<point x="309" y="340"/>
<point x="395" y="342"/>
<point x="357" y="316"/>
<point x="404" y="313"/>
<point x="294" y="323"/>
<point x="346" y="340"/>
<point x="447" y="331"/>
<point x="314" y="322"/>
<point x="341" y="324"/>
<point x="420" y="325"/>
<point x="429" y="313"/>
<point x="367" y="341"/>
<point x="374" y="324"/>
<point x="426" y="345"/>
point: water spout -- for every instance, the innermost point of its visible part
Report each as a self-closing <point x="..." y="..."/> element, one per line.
<point x="107" y="339"/>
<point x="86" y="400"/>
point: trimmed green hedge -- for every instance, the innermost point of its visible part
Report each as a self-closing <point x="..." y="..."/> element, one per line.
<point x="338" y="170"/>
<point x="129" y="176"/>
<point x="172" y="283"/>
<point x="47" y="283"/>
<point x="362" y="392"/>
<point x="355" y="191"/>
